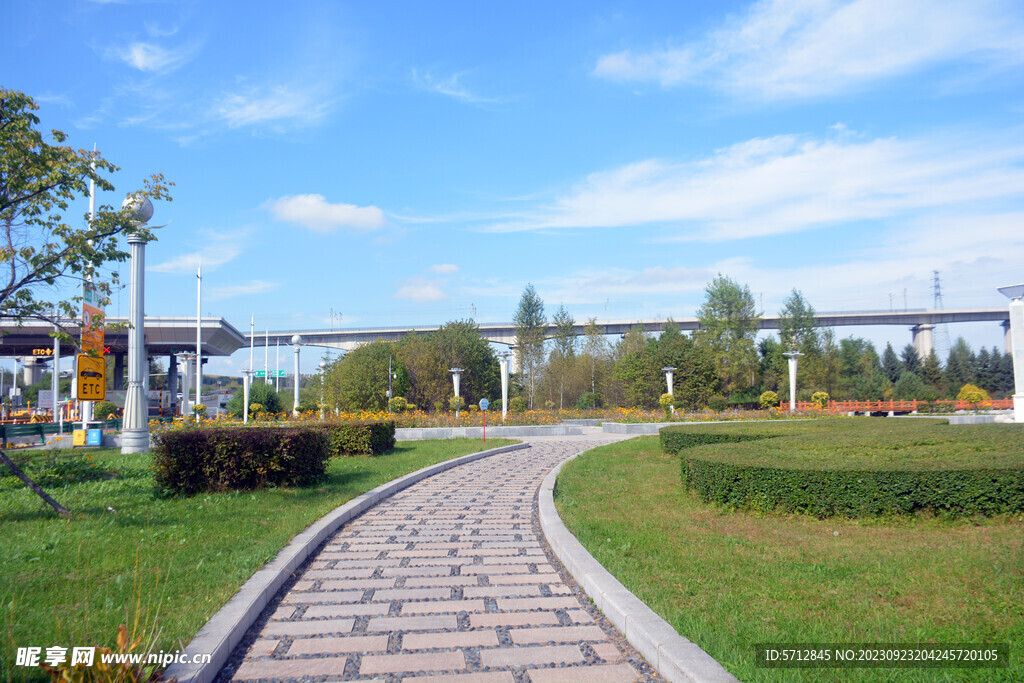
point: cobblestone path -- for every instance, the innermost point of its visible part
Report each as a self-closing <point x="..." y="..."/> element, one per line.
<point x="449" y="580"/>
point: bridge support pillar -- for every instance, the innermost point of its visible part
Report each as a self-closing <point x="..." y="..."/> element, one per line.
<point x="1007" y="338"/>
<point x="172" y="384"/>
<point x="32" y="370"/>
<point x="923" y="339"/>
<point x="118" y="383"/>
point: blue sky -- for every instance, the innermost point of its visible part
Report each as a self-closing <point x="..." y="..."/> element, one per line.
<point x="410" y="162"/>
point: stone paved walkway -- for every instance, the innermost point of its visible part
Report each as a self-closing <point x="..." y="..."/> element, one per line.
<point x="449" y="580"/>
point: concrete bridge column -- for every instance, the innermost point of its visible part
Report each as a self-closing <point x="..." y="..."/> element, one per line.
<point x="1007" y="337"/>
<point x="118" y="383"/>
<point x="172" y="384"/>
<point x="923" y="339"/>
<point x="32" y="370"/>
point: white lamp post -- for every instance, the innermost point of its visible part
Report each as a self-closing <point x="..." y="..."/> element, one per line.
<point x="668" y="382"/>
<point x="1016" y="295"/>
<point x="323" y="369"/>
<point x="135" y="429"/>
<point x="246" y="383"/>
<point x="792" y="356"/>
<point x="456" y="377"/>
<point x="296" y="342"/>
<point x="503" y="361"/>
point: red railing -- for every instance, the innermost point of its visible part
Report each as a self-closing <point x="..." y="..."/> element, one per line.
<point x="900" y="406"/>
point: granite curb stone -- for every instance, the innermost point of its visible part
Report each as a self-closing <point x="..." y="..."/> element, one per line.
<point x="675" y="657"/>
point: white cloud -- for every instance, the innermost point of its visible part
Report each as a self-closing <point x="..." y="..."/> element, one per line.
<point x="241" y="289"/>
<point x="153" y="58"/>
<point x="420" y="290"/>
<point x="444" y="269"/>
<point x="314" y="212"/>
<point x="785" y="184"/>
<point x="804" y="48"/>
<point x="257" y="106"/>
<point x="218" y="248"/>
<point x="450" y="86"/>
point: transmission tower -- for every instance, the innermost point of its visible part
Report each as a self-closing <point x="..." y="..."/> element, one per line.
<point x="941" y="330"/>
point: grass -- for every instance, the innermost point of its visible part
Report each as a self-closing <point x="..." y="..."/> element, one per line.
<point x="868" y="443"/>
<point x="731" y="580"/>
<point x="129" y="552"/>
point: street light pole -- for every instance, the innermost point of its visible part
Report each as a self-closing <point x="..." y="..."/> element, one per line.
<point x="323" y="369"/>
<point x="135" y="430"/>
<point x="503" y="361"/>
<point x="246" y="382"/>
<point x="456" y="377"/>
<point x="668" y="382"/>
<point x="792" y="356"/>
<point x="296" y="342"/>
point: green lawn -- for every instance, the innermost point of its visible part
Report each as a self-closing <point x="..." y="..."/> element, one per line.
<point x="731" y="580"/>
<point x="131" y="553"/>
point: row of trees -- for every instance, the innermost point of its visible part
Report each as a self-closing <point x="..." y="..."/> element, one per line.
<point x="723" y="360"/>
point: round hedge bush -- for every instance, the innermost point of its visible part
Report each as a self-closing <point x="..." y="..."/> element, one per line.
<point x="753" y="477"/>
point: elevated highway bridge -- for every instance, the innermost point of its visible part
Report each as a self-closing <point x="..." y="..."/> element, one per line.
<point x="920" y="322"/>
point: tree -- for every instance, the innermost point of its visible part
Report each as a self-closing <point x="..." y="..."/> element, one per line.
<point x="42" y="251"/>
<point x="931" y="371"/>
<point x="261" y="393"/>
<point x="797" y="325"/>
<point x="42" y="254"/>
<point x="908" y="387"/>
<point x="359" y="379"/>
<point x="729" y="321"/>
<point x="530" y="326"/>
<point x="891" y="363"/>
<point x="595" y="348"/>
<point x="959" y="366"/>
<point x="428" y="358"/>
<point x="565" y="348"/>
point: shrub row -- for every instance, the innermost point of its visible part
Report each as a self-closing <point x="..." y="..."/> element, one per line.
<point x="360" y="438"/>
<point x="674" y="440"/>
<point x="194" y="460"/>
<point x="830" y="490"/>
<point x="855" y="493"/>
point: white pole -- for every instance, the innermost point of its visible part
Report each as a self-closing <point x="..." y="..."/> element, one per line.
<point x="504" y="384"/>
<point x="792" y="357"/>
<point x="296" y="340"/>
<point x="277" y="370"/>
<point x="54" y="379"/>
<point x="199" y="338"/>
<point x="87" y="405"/>
<point x="1017" y="344"/>
<point x="252" y="335"/>
<point x="266" y="356"/>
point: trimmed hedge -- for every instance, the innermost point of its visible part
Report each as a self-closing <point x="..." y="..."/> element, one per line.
<point x="833" y="491"/>
<point x="216" y="459"/>
<point x="360" y="438"/>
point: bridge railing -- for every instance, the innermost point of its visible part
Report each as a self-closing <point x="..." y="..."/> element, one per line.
<point x="901" y="406"/>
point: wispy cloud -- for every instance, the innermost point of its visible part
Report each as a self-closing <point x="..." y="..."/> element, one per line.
<point x="241" y="289"/>
<point x="314" y="212"/>
<point x="218" y="249"/>
<point x="149" y="57"/>
<point x="444" y="269"/>
<point x="421" y="290"/>
<point x="790" y="183"/>
<point x="450" y="86"/>
<point x="802" y="48"/>
<point x="275" y="104"/>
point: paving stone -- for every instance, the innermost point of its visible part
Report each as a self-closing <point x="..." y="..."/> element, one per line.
<point x="334" y="646"/>
<point x="526" y="656"/>
<point x="441" y="606"/>
<point x="351" y="610"/>
<point x="433" y="581"/>
<point x="522" y="590"/>
<point x="255" y="669"/>
<point x="609" y="673"/>
<point x="457" y="639"/>
<point x="423" y="661"/>
<point x="561" y="634"/>
<point x="308" y="628"/>
<point x="607" y="652"/>
<point x="264" y="647"/>
<point x="412" y="594"/>
<point x="513" y="619"/>
<point x="489" y="677"/>
<point x="413" y="623"/>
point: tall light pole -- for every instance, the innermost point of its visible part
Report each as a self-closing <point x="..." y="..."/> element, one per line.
<point x="668" y="382"/>
<point x="792" y="356"/>
<point x="246" y="383"/>
<point x="1016" y="295"/>
<point x="199" y="340"/>
<point x="296" y="342"/>
<point x="456" y="377"/>
<point x="503" y="361"/>
<point x="323" y="369"/>
<point x="135" y="429"/>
